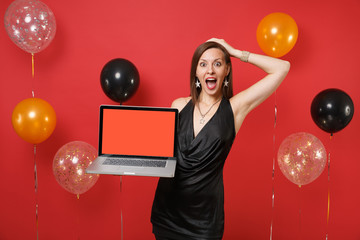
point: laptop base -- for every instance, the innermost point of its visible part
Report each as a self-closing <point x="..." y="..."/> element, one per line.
<point x="97" y="167"/>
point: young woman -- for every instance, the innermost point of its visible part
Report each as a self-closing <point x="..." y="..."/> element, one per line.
<point x="191" y="205"/>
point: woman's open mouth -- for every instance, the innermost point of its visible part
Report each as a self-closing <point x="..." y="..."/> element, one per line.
<point x="210" y="83"/>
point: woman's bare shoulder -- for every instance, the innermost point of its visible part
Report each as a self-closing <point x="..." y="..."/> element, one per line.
<point x="180" y="103"/>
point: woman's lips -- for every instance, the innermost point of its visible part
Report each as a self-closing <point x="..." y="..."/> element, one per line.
<point x="210" y="83"/>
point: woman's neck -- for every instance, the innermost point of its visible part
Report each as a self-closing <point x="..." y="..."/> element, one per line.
<point x="209" y="99"/>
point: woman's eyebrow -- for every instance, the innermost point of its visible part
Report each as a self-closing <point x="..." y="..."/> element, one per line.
<point x="216" y="59"/>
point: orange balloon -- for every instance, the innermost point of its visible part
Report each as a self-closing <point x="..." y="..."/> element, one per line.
<point x="34" y="120"/>
<point x="277" y="34"/>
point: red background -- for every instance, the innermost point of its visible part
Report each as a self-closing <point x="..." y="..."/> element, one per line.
<point x="159" y="37"/>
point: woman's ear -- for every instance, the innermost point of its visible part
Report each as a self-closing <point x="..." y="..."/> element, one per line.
<point x="228" y="70"/>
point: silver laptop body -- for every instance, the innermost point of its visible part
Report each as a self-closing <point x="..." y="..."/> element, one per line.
<point x="138" y="141"/>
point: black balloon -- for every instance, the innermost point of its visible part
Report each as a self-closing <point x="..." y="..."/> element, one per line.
<point x="332" y="110"/>
<point x="119" y="79"/>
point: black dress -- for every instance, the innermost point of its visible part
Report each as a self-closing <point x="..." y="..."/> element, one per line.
<point x="191" y="205"/>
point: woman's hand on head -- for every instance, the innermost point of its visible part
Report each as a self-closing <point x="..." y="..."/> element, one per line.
<point x="222" y="42"/>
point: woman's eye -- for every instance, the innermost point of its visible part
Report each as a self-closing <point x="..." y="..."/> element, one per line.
<point x="217" y="64"/>
<point x="202" y="64"/>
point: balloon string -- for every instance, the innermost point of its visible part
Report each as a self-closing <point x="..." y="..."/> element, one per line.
<point x="121" y="213"/>
<point x="32" y="66"/>
<point x="32" y="73"/>
<point x="273" y="174"/>
<point x="328" y="205"/>
<point x="299" y="211"/>
<point x="78" y="216"/>
<point x="272" y="214"/>
<point x="36" y="198"/>
<point x="328" y="212"/>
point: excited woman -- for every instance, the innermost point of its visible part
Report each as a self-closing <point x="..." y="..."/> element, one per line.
<point x="191" y="205"/>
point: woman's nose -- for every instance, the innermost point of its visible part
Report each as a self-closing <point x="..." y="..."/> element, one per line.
<point x="210" y="69"/>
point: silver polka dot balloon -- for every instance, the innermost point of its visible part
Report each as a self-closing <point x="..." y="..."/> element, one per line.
<point x="30" y="24"/>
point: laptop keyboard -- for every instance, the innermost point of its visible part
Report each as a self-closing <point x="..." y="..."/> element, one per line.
<point x="135" y="163"/>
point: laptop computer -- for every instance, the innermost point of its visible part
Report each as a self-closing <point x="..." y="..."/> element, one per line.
<point x="134" y="140"/>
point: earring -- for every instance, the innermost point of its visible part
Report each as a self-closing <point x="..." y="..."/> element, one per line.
<point x="197" y="83"/>
<point x="226" y="82"/>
